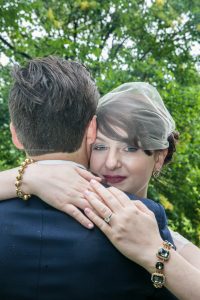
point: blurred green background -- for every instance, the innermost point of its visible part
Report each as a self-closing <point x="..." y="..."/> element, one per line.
<point x="120" y="40"/>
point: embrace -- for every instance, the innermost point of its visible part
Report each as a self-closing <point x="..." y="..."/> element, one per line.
<point x="81" y="226"/>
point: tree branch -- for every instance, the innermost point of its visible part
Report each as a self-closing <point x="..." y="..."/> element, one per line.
<point x="119" y="47"/>
<point x="14" y="49"/>
<point x="144" y="55"/>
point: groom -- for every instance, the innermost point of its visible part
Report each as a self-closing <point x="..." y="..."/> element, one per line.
<point x="44" y="253"/>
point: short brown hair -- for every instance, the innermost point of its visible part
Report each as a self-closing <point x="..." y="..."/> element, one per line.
<point x="51" y="103"/>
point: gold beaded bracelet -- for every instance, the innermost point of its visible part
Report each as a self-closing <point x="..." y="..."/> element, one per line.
<point x="163" y="254"/>
<point x="18" y="181"/>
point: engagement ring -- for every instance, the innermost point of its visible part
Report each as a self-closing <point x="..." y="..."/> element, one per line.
<point x="107" y="219"/>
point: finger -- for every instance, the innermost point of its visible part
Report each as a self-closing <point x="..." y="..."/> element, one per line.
<point x="87" y="175"/>
<point x="98" y="205"/>
<point x="121" y="196"/>
<point x="111" y="201"/>
<point x="80" y="185"/>
<point x="81" y="203"/>
<point x="99" y="222"/>
<point x="75" y="213"/>
<point x="91" y="189"/>
<point x="142" y="207"/>
<point x="95" y="195"/>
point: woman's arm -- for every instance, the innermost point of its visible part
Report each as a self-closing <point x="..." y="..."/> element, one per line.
<point x="7" y="183"/>
<point x="192" y="254"/>
<point x="134" y="232"/>
<point x="61" y="186"/>
<point x="186" y="249"/>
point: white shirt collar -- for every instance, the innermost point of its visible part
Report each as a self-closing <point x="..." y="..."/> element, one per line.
<point x="59" y="162"/>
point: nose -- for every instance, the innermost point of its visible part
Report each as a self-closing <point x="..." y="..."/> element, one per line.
<point x="113" y="160"/>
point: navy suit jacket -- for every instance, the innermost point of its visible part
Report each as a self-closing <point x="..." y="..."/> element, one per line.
<point x="47" y="255"/>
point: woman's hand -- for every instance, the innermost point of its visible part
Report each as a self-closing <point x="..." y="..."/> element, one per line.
<point x="132" y="228"/>
<point x="61" y="186"/>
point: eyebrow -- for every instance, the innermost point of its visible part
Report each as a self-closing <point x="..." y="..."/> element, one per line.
<point x="101" y="139"/>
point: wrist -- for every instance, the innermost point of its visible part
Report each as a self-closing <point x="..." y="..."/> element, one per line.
<point x="29" y="177"/>
<point x="18" y="183"/>
<point x="158" y="277"/>
<point x="149" y="256"/>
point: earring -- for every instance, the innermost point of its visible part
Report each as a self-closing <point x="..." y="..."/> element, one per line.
<point x="156" y="173"/>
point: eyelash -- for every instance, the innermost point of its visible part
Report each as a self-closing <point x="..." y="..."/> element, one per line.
<point x="99" y="147"/>
<point x="103" y="147"/>
<point x="131" y="149"/>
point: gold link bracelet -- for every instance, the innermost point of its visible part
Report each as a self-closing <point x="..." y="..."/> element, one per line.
<point x="19" y="177"/>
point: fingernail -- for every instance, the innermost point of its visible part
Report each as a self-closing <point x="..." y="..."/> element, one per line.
<point x="87" y="192"/>
<point x="90" y="225"/>
<point x="87" y="210"/>
<point x="93" y="181"/>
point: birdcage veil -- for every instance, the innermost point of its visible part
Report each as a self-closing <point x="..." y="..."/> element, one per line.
<point x="137" y="109"/>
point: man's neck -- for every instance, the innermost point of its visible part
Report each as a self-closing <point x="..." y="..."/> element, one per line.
<point x="75" y="157"/>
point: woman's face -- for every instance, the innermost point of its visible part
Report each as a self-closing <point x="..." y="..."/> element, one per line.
<point x="122" y="166"/>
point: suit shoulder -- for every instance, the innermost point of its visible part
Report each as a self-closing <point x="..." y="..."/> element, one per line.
<point x="155" y="207"/>
<point x="158" y="210"/>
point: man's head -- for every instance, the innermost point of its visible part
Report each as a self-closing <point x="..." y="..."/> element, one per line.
<point x="51" y="104"/>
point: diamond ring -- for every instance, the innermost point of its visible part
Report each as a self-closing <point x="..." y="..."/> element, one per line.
<point x="107" y="219"/>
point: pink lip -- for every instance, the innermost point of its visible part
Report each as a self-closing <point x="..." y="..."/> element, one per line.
<point x="114" y="179"/>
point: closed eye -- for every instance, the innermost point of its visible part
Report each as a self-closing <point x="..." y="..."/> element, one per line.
<point x="99" y="147"/>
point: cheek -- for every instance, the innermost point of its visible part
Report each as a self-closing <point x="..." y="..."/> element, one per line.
<point x="142" y="167"/>
<point x="97" y="160"/>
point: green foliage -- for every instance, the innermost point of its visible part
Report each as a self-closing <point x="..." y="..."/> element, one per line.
<point x="120" y="41"/>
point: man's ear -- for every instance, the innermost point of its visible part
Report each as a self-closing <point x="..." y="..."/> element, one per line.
<point x="159" y="159"/>
<point x="92" y="131"/>
<point x="15" y="139"/>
